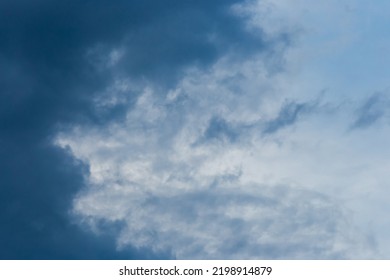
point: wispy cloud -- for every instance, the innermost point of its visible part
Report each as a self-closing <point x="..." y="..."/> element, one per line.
<point x="287" y="116"/>
<point x="191" y="172"/>
<point x="371" y="111"/>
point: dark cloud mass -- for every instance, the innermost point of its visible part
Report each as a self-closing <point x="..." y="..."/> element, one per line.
<point x="49" y="58"/>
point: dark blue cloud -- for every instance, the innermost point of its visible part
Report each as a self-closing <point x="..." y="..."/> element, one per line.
<point x="47" y="81"/>
<point x="37" y="185"/>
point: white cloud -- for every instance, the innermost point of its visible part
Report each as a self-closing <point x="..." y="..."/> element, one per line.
<point x="303" y="191"/>
<point x="240" y="223"/>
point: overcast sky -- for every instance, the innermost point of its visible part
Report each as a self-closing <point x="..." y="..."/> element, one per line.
<point x="182" y="129"/>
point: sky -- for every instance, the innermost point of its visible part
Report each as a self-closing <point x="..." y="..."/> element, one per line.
<point x="178" y="129"/>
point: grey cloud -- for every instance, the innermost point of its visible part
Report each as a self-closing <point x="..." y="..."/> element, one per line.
<point x="287" y="116"/>
<point x="371" y="111"/>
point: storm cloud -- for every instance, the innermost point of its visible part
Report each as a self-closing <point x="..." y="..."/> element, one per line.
<point x="56" y="58"/>
<point x="187" y="129"/>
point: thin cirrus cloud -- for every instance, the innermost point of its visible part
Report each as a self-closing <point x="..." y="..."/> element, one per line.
<point x="190" y="129"/>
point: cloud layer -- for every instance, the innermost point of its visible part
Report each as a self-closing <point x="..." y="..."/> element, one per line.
<point x="226" y="165"/>
<point x="55" y="60"/>
<point x="193" y="129"/>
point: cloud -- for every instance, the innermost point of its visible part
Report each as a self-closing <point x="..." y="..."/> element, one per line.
<point x="195" y="152"/>
<point x="371" y="111"/>
<point x="231" y="221"/>
<point x="58" y="63"/>
<point x="143" y="122"/>
<point x="287" y="116"/>
<point x="190" y="171"/>
<point x="37" y="186"/>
